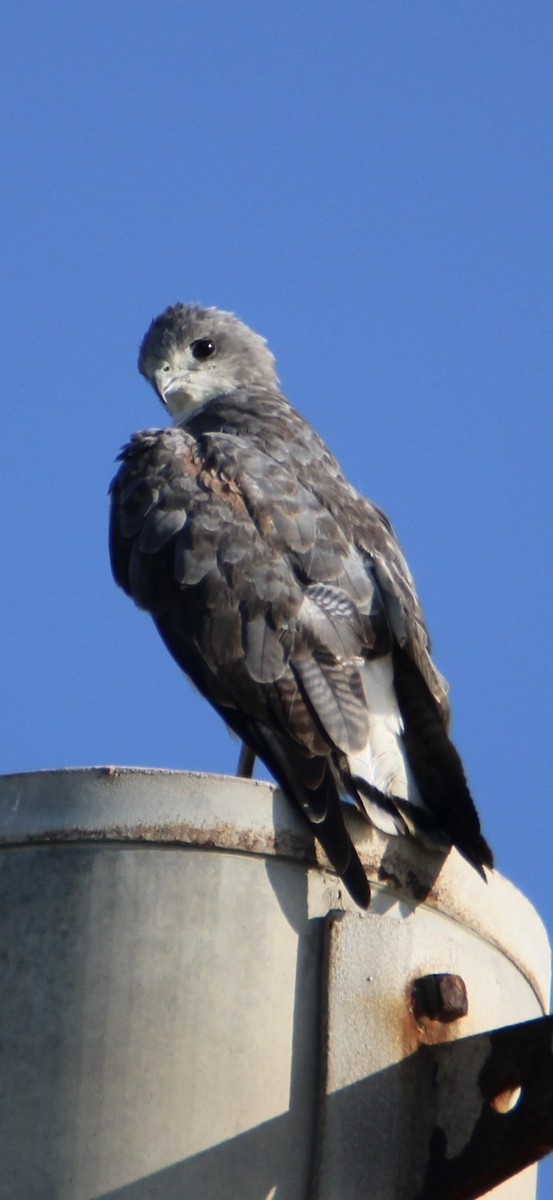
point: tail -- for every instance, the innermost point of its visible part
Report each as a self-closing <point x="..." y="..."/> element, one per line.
<point x="436" y="765"/>
<point x="309" y="783"/>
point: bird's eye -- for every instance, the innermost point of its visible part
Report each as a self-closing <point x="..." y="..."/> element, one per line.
<point x="202" y="348"/>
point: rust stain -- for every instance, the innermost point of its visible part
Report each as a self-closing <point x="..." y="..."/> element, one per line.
<point x="434" y="1007"/>
<point x="385" y="876"/>
<point x="223" y="837"/>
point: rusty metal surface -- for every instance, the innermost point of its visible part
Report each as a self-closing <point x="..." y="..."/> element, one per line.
<point x="513" y="1126"/>
<point x="441" y="997"/>
<point x="214" y="812"/>
<point x="135" y="804"/>
<point x="402" y="1091"/>
<point x="440" y="957"/>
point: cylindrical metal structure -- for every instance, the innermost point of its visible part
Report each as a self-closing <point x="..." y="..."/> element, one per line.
<point x="192" y="1008"/>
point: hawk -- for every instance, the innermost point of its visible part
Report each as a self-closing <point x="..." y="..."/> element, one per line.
<point x="284" y="596"/>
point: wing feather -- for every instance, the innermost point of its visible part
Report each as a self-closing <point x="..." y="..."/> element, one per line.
<point x="271" y="581"/>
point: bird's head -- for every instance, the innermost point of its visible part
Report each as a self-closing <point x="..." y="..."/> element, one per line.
<point x="192" y="354"/>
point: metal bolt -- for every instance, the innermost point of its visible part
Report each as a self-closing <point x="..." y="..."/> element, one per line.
<point x="439" y="997"/>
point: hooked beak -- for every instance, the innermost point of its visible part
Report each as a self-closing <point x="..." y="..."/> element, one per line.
<point x="161" y="384"/>
<point x="173" y="391"/>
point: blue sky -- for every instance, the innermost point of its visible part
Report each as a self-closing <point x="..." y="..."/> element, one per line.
<point x="369" y="185"/>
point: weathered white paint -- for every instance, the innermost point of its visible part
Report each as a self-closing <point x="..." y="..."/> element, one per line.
<point x="163" y="953"/>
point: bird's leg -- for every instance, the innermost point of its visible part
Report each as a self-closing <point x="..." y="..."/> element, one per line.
<point x="246" y="762"/>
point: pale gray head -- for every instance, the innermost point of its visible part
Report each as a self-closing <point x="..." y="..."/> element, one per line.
<point x="192" y="354"/>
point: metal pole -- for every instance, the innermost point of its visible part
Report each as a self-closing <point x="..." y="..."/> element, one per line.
<point x="192" y="1008"/>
